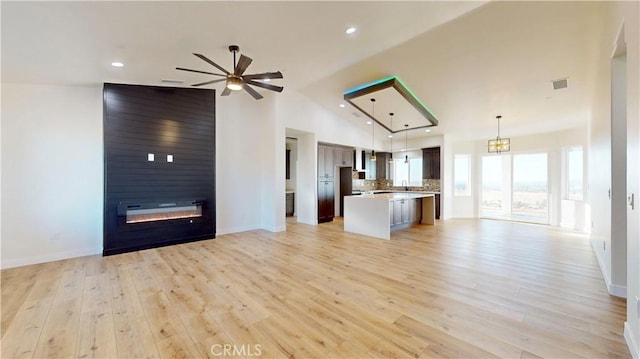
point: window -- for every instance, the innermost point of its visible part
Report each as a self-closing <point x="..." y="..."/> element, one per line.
<point x="407" y="174"/>
<point x="574" y="173"/>
<point x="461" y="175"/>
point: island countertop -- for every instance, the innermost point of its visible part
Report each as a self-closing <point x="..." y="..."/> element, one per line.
<point x="397" y="195"/>
<point x="374" y="214"/>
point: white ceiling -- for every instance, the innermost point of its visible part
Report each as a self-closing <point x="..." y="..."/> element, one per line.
<point x="465" y="61"/>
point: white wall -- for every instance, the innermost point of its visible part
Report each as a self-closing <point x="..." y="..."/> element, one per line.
<point x="306" y="186"/>
<point x="52" y="172"/>
<point x="244" y="160"/>
<point x="629" y="12"/>
<point x="616" y="16"/>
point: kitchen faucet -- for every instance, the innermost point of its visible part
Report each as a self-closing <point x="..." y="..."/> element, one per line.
<point x="405" y="184"/>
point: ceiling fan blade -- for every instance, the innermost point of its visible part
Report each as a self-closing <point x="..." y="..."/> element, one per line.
<point x="209" y="82"/>
<point x="265" y="86"/>
<point x="264" y="75"/>
<point x="242" y="65"/>
<point x="200" y="72"/>
<point x="204" y="58"/>
<point x="252" y="92"/>
<point x="226" y="92"/>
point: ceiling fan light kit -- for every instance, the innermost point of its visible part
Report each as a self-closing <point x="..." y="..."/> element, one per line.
<point x="234" y="83"/>
<point x="236" y="80"/>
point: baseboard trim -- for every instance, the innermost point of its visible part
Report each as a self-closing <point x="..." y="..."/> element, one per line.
<point x="276" y="229"/>
<point x="51" y="257"/>
<point x="221" y="231"/>
<point x="631" y="343"/>
<point x="613" y="289"/>
<point x="617" y="290"/>
<point x="603" y="269"/>
<point x="311" y="221"/>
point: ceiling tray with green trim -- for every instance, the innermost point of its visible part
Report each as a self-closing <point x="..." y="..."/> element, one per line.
<point x="391" y="95"/>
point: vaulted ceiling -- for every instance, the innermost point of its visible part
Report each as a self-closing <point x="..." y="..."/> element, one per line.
<point x="467" y="61"/>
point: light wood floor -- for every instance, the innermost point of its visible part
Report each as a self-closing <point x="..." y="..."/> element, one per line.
<point x="462" y="289"/>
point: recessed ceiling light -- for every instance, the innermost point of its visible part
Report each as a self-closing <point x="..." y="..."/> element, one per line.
<point x="427" y="130"/>
<point x="266" y="80"/>
<point x="350" y="30"/>
<point x="390" y="136"/>
<point x="117" y="64"/>
<point x="369" y="122"/>
<point x="342" y="105"/>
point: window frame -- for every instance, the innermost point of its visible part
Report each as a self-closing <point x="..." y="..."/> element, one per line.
<point x="568" y="194"/>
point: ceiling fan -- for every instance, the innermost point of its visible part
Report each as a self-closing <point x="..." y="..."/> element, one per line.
<point x="236" y="80"/>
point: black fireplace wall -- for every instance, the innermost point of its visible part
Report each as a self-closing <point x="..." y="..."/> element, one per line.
<point x="159" y="147"/>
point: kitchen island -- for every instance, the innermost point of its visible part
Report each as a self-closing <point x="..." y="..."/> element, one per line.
<point x="377" y="215"/>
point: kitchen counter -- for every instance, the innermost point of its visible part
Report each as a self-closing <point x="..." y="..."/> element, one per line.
<point x="392" y="191"/>
<point x="396" y="195"/>
<point x="378" y="214"/>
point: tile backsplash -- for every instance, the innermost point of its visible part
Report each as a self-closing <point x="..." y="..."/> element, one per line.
<point x="432" y="185"/>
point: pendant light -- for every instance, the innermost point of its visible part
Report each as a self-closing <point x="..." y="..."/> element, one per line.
<point x="499" y="145"/>
<point x="373" y="126"/>
<point x="406" y="156"/>
<point x="391" y="138"/>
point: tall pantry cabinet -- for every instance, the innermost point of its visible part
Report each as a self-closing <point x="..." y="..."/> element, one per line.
<point x="326" y="170"/>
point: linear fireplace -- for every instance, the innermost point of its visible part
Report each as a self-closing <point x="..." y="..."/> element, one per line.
<point x="160" y="211"/>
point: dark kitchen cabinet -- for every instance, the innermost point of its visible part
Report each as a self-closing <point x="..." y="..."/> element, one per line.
<point x="325" y="201"/>
<point x="287" y="164"/>
<point x="431" y="163"/>
<point x="290" y="200"/>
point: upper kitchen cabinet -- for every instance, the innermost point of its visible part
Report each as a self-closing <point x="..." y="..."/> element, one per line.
<point x="431" y="163"/>
<point x="325" y="162"/>
<point x="343" y="157"/>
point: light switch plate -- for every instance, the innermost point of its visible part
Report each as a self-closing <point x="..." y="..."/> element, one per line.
<point x="169" y="158"/>
<point x="151" y="157"/>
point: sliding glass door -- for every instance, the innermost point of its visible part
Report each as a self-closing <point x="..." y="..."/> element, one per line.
<point x="515" y="187"/>
<point x="495" y="190"/>
<point x="530" y="188"/>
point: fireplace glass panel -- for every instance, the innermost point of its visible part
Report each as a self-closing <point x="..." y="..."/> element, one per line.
<point x="160" y="214"/>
